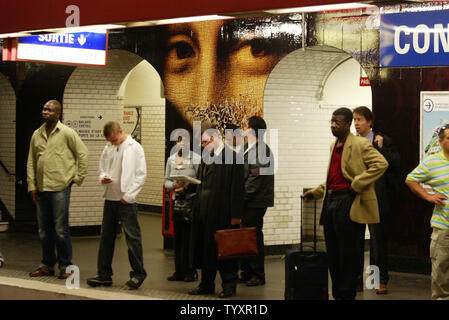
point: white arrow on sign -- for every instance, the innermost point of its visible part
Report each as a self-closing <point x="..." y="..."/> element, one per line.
<point x="82" y="39"/>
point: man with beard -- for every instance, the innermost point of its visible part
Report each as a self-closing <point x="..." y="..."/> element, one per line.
<point x="349" y="201"/>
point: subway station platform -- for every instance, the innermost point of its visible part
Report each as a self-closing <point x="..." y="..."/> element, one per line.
<point x="22" y="253"/>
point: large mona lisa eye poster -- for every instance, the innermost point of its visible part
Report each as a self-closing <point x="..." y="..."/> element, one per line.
<point x="216" y="70"/>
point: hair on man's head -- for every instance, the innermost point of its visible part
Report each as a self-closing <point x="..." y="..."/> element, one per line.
<point x="345" y="112"/>
<point x="257" y="123"/>
<point x="111" y="127"/>
<point x="365" y="112"/>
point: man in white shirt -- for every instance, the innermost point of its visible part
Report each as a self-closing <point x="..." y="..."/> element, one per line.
<point x="122" y="172"/>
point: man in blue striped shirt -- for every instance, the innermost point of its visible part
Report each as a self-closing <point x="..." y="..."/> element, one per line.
<point x="434" y="172"/>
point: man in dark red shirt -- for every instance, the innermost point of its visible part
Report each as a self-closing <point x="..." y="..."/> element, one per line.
<point x="349" y="201"/>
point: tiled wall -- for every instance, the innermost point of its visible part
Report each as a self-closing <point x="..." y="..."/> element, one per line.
<point x="153" y="142"/>
<point x="93" y="88"/>
<point x="292" y="106"/>
<point x="7" y="143"/>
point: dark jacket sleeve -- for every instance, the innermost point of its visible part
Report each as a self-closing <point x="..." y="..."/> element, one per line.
<point x="237" y="194"/>
<point x="391" y="154"/>
<point x="259" y="179"/>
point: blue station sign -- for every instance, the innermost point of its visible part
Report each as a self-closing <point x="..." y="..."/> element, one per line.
<point x="81" y="48"/>
<point x="414" y="39"/>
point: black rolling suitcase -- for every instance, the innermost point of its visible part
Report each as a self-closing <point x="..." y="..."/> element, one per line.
<point x="306" y="272"/>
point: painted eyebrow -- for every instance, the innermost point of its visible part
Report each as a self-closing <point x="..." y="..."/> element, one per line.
<point x="183" y="29"/>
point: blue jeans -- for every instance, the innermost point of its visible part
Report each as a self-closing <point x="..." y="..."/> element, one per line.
<point x="115" y="211"/>
<point x="53" y="221"/>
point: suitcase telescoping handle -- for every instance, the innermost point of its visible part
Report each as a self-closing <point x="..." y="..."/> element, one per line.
<point x="314" y="222"/>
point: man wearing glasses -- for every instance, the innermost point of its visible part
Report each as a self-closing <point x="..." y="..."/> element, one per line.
<point x="220" y="206"/>
<point x="434" y="172"/>
<point x="349" y="201"/>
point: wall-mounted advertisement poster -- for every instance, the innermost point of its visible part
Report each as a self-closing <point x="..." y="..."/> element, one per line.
<point x="132" y="122"/>
<point x="434" y="114"/>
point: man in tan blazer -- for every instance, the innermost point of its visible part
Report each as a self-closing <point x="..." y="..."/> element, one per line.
<point x="349" y="201"/>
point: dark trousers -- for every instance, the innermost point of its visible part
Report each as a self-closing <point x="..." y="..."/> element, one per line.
<point x="228" y="273"/>
<point x="181" y="247"/>
<point x="378" y="251"/>
<point x="206" y="252"/>
<point x="115" y="211"/>
<point x="255" y="266"/>
<point x="343" y="244"/>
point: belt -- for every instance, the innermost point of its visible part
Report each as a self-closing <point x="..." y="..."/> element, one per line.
<point x="338" y="192"/>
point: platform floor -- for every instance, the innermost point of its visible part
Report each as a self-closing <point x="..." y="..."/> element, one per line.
<point x="22" y="254"/>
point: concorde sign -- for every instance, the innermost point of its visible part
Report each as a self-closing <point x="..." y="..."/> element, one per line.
<point x="414" y="39"/>
<point x="80" y="48"/>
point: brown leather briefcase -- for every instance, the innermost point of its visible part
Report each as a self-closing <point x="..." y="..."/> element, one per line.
<point x="236" y="243"/>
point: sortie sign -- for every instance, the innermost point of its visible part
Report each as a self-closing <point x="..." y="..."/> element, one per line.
<point x="81" y="48"/>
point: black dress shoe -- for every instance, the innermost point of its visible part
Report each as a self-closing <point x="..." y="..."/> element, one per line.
<point x="226" y="293"/>
<point x="201" y="290"/>
<point x="99" y="281"/>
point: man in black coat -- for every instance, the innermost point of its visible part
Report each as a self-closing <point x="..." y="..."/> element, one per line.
<point x="259" y="195"/>
<point x="219" y="206"/>
<point x="385" y="187"/>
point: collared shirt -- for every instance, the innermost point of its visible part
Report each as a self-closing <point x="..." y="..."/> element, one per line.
<point x="219" y="149"/>
<point x="369" y="136"/>
<point x="336" y="179"/>
<point x="250" y="145"/>
<point x="57" y="160"/>
<point x="434" y="172"/>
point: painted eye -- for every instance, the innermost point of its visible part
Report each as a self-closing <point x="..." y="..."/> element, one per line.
<point x="183" y="50"/>
<point x="259" y="47"/>
<point x="254" y="56"/>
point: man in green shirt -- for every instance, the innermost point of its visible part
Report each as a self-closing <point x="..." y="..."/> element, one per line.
<point x="57" y="159"/>
<point x="433" y="171"/>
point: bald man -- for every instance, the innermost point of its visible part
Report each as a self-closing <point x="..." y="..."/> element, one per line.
<point x="57" y="159"/>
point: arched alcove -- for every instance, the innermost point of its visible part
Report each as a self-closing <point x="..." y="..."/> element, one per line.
<point x="92" y="90"/>
<point x="294" y="106"/>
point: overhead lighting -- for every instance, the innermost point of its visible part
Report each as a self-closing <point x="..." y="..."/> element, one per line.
<point x="177" y="20"/>
<point x="14" y="35"/>
<point x="327" y="7"/>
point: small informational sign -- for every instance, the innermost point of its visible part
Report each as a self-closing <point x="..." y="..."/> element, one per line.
<point x="414" y="39"/>
<point x="364" y="82"/>
<point x="80" y="48"/>
<point x="89" y="126"/>
<point x="434" y="114"/>
<point x="132" y="122"/>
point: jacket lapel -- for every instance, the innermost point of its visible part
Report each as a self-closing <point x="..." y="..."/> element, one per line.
<point x="345" y="157"/>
